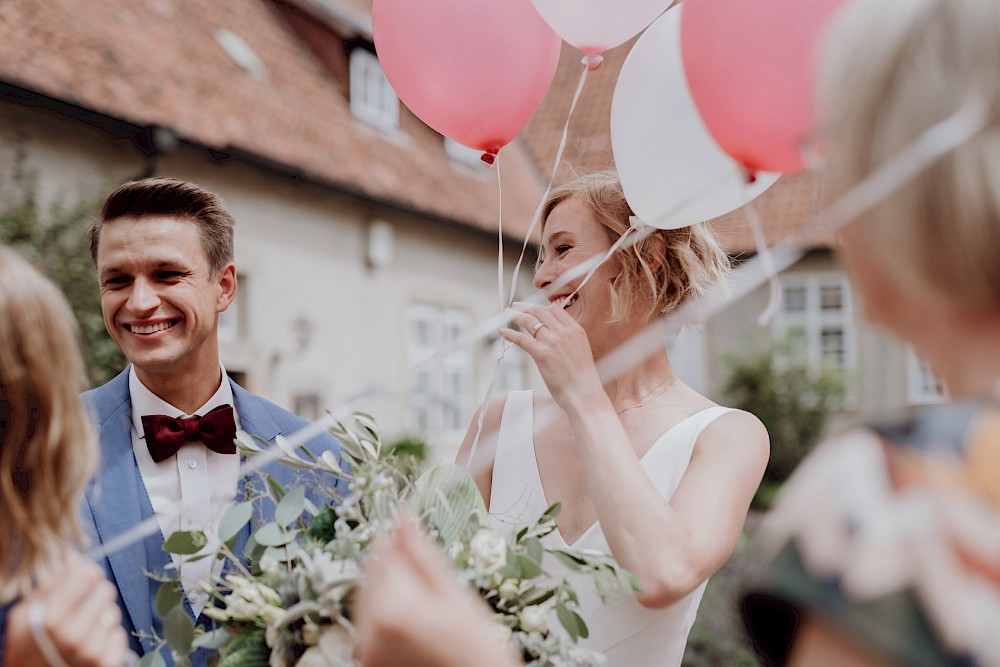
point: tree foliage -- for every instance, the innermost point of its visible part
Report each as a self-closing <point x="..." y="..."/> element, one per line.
<point x="52" y="236"/>
<point x="792" y="400"/>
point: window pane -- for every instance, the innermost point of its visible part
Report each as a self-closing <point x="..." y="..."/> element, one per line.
<point x="794" y="300"/>
<point x="832" y="345"/>
<point x="831" y="297"/>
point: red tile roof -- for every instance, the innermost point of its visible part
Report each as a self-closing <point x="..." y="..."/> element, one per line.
<point x="157" y="62"/>
<point x="782" y="209"/>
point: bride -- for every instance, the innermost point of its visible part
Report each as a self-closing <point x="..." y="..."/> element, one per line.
<point x="644" y="466"/>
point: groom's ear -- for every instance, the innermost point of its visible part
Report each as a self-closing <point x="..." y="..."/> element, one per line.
<point x="226" y="280"/>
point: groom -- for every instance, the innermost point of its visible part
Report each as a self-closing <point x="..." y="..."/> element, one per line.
<point x="164" y="255"/>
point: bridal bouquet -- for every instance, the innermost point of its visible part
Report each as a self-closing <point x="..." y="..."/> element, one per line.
<point x="287" y="601"/>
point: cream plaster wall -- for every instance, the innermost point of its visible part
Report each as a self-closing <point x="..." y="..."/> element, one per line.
<point x="301" y="251"/>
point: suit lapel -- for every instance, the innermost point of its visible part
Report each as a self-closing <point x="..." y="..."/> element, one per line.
<point x="119" y="502"/>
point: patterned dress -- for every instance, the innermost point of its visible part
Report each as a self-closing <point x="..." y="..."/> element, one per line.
<point x="892" y="534"/>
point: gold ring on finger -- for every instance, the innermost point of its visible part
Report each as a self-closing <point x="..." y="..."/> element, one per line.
<point x="535" y="329"/>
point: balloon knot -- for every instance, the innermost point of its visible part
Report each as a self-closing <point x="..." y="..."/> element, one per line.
<point x="592" y="61"/>
<point x="750" y="175"/>
<point x="488" y="157"/>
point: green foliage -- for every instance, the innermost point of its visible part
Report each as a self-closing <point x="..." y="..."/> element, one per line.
<point x="791" y="400"/>
<point x="718" y="637"/>
<point x="247" y="650"/>
<point x="52" y="237"/>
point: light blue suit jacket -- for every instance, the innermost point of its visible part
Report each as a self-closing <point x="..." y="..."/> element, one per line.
<point x="116" y="500"/>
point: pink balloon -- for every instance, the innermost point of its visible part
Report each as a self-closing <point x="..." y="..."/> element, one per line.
<point x="594" y="26"/>
<point x="751" y="69"/>
<point x="474" y="70"/>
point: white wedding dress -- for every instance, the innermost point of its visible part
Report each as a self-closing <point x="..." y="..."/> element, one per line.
<point x="627" y="633"/>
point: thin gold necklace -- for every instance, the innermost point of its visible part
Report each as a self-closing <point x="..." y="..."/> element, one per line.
<point x="649" y="396"/>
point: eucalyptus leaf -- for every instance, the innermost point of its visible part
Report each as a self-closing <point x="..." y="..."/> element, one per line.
<point x="448" y="500"/>
<point x="168" y="597"/>
<point x="570" y="620"/>
<point x="246" y="441"/>
<point x="569" y="560"/>
<point x="272" y="535"/>
<point x="285" y="445"/>
<point x="551" y="512"/>
<point x="283" y="554"/>
<point x="185" y="542"/>
<point x="153" y="659"/>
<point x="529" y="568"/>
<point x="533" y="549"/>
<point x="277" y="490"/>
<point x="234" y="519"/>
<point x="195" y="559"/>
<point x="178" y="630"/>
<point x="329" y="460"/>
<point x="250" y="547"/>
<point x="547" y="595"/>
<point x="311" y="508"/>
<point x="291" y="506"/>
<point x="512" y="570"/>
<point x="215" y="639"/>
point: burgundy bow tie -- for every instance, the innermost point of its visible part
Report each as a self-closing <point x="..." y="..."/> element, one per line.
<point x="165" y="435"/>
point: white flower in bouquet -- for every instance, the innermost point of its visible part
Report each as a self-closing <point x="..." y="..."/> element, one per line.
<point x="488" y="551"/>
<point x="250" y="600"/>
<point x="269" y="565"/>
<point x="509" y="590"/>
<point x="330" y="578"/>
<point x="534" y="619"/>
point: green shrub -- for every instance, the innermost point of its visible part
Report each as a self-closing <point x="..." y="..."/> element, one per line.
<point x="52" y="237"/>
<point x="791" y="400"/>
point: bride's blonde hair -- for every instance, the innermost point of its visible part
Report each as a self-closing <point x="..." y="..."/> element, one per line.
<point x="660" y="272"/>
<point x="47" y="447"/>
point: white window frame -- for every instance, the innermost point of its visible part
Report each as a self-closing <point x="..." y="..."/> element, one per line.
<point x="440" y="393"/>
<point x="813" y="319"/>
<point x="373" y="99"/>
<point x="923" y="387"/>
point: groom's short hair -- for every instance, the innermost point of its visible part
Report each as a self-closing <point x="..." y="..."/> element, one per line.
<point x="171" y="197"/>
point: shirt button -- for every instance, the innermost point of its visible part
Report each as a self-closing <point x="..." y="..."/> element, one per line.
<point x="192" y="464"/>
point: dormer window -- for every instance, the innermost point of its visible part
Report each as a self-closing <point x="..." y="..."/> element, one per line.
<point x="373" y="100"/>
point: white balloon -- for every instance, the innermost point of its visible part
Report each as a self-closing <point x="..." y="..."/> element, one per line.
<point x="673" y="172"/>
<point x="594" y="26"/>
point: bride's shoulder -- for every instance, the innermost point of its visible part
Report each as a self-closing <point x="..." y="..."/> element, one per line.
<point x="737" y="427"/>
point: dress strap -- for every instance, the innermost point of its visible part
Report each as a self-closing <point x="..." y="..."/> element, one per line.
<point x="514" y="491"/>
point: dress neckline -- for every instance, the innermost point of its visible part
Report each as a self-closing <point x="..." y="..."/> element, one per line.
<point x="541" y="487"/>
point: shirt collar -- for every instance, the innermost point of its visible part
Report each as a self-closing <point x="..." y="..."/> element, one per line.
<point x="145" y="402"/>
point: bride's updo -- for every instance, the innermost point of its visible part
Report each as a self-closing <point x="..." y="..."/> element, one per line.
<point x="660" y="272"/>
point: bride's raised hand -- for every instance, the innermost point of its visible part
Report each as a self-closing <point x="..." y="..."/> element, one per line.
<point x="560" y="348"/>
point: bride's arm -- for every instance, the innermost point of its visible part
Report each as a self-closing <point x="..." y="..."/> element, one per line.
<point x="671" y="546"/>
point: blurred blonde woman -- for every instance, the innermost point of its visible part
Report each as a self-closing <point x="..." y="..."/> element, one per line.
<point x="55" y="607"/>
<point x="885" y="546"/>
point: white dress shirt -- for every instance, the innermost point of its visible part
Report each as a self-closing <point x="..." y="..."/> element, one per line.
<point x="189" y="491"/>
